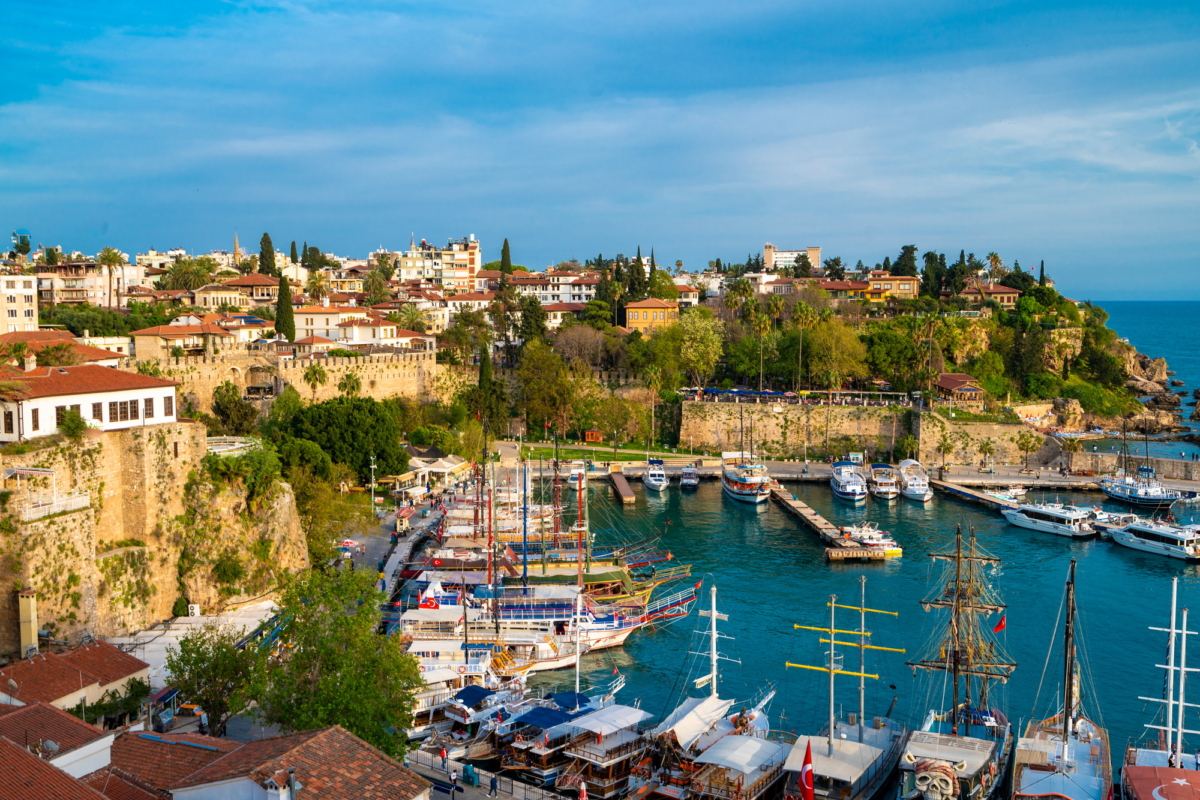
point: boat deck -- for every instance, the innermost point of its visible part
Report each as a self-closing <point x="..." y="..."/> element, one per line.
<point x="1079" y="771"/>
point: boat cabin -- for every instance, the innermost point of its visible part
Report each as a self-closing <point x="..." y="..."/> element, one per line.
<point x="603" y="754"/>
<point x="739" y="768"/>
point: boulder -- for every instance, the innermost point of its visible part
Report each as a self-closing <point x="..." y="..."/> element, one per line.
<point x="1176" y="382"/>
<point x="1156" y="370"/>
<point x="1144" y="387"/>
<point x="1196" y="393"/>
<point x="1195" y="414"/>
<point x="1166" y="400"/>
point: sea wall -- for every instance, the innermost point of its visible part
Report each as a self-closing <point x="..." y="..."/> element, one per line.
<point x="967" y="438"/>
<point x="1106" y="463"/>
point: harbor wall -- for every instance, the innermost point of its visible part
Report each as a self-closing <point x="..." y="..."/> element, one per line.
<point x="1104" y="463"/>
<point x="967" y="437"/>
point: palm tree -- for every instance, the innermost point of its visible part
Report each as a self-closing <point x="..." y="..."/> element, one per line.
<point x="909" y="444"/>
<point x="411" y="318"/>
<point x="987" y="449"/>
<point x="317" y="285"/>
<point x="350" y="384"/>
<point x="187" y="274"/>
<point x="996" y="269"/>
<point x="1072" y="446"/>
<point x="110" y="258"/>
<point x="804" y="317"/>
<point x="775" y="307"/>
<point x="314" y="376"/>
<point x="738" y="293"/>
<point x="762" y="326"/>
<point x="376" y="288"/>
<point x="945" y="446"/>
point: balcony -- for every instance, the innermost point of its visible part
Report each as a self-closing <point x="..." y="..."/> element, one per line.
<point x="36" y="508"/>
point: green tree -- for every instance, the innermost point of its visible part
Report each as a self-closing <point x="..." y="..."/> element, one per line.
<point x="111" y="259"/>
<point x="1028" y="443"/>
<point x="317" y="285"/>
<point x="285" y="319"/>
<point x="351" y="430"/>
<point x="61" y="354"/>
<point x="294" y="257"/>
<point x="804" y="317"/>
<point x="335" y="668"/>
<point x="908" y="445"/>
<point x="803" y="267"/>
<point x="987" y="449"/>
<point x="238" y="417"/>
<point x="945" y="446"/>
<point x="1072" y="446"/>
<point x="376" y="288"/>
<point x="304" y="255"/>
<point x="761" y="324"/>
<point x="53" y="256"/>
<point x="350" y="384"/>
<point x="506" y="258"/>
<point x="266" y="256"/>
<point x="410" y="318"/>
<point x="1042" y="275"/>
<point x="702" y="345"/>
<point x="906" y="262"/>
<point x="533" y="319"/>
<point x="545" y="388"/>
<point x="385" y="265"/>
<point x="487" y="400"/>
<point x="72" y="424"/>
<point x="835" y="270"/>
<point x="662" y="286"/>
<point x="209" y="669"/>
<point x="189" y="273"/>
<point x="315" y="375"/>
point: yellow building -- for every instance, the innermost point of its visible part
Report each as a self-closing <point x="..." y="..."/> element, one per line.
<point x="885" y="286"/>
<point x="646" y="315"/>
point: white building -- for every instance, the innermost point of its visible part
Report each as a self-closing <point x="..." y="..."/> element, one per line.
<point x="18" y="303"/>
<point x="106" y="398"/>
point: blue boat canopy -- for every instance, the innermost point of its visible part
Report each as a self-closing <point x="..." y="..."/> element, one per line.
<point x="545" y="718"/>
<point x="570" y="700"/>
<point x="471" y="695"/>
<point x="656" y="462"/>
<point x="881" y="466"/>
<point x="844" y="464"/>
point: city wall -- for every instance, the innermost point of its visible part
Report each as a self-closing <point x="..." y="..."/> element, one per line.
<point x="1107" y="463"/>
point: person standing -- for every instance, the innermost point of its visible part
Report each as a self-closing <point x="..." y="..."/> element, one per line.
<point x="443" y="755"/>
<point x="454" y="778"/>
<point x="494" y="783"/>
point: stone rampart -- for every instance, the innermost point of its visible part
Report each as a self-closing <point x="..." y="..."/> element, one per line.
<point x="1107" y="463"/>
<point x="967" y="437"/>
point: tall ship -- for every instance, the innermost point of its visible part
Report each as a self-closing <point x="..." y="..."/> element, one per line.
<point x="965" y="750"/>
<point x="743" y="478"/>
<point x="1159" y="767"/>
<point x="852" y="758"/>
<point x="848" y="482"/>
<point x="1067" y="755"/>
<point x="914" y="481"/>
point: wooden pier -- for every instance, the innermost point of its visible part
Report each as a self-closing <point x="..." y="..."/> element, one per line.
<point x="621" y="487"/>
<point x="837" y="547"/>
<point x="973" y="495"/>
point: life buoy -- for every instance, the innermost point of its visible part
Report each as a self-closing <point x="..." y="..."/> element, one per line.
<point x="420" y="667"/>
<point x="462" y="670"/>
<point x="519" y="739"/>
<point x="992" y="769"/>
<point x="437" y="562"/>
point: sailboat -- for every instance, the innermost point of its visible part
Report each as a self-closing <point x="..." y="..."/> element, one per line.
<point x="1161" y="770"/>
<point x="853" y="758"/>
<point x="744" y="478"/>
<point x="1065" y="756"/>
<point x="964" y="751"/>
<point x="1143" y="489"/>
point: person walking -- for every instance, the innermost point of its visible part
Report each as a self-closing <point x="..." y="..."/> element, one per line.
<point x="443" y="755"/>
<point x="494" y="783"/>
<point x="454" y="778"/>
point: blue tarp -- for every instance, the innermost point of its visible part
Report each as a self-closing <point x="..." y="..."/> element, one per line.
<point x="471" y="695"/>
<point x="544" y="717"/>
<point x="569" y="700"/>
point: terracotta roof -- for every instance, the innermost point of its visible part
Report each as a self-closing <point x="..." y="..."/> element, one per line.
<point x="45" y="677"/>
<point x="564" y="307"/>
<point x="82" y="379"/>
<point x="313" y="340"/>
<point x="473" y="296"/>
<point x="327" y="310"/>
<point x="104" y="661"/>
<point x="585" y="282"/>
<point x="653" y="302"/>
<point x="25" y="776"/>
<point x="954" y="381"/>
<point x="360" y="323"/>
<point x="180" y="331"/>
<point x="331" y="763"/>
<point x="50" y="337"/>
<point x="116" y="784"/>
<point x="83" y="352"/>
<point x="212" y="287"/>
<point x="844" y="285"/>
<point x="488" y="273"/>
<point x="162" y="761"/>
<point x="39" y="721"/>
<point x="995" y="288"/>
<point x="683" y="288"/>
<point x="253" y="279"/>
<point x="401" y="333"/>
<point x="155" y="271"/>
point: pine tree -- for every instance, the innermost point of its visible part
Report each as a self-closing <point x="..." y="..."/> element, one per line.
<point x="720" y="268"/>
<point x="906" y="263"/>
<point x="285" y="321"/>
<point x="294" y="258"/>
<point x="266" y="255"/>
<point x="304" y="255"/>
<point x="887" y="264"/>
<point x="1042" y="276"/>
<point x="506" y="259"/>
<point x="653" y="267"/>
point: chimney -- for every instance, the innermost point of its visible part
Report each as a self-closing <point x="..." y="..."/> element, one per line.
<point x="27" y="607"/>
<point x="87" y="334"/>
<point x="30" y="362"/>
<point x="325" y="301"/>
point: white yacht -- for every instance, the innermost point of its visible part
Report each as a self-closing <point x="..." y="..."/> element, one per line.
<point x="1174" y="541"/>
<point x="577" y="476"/>
<point x="1143" y="490"/>
<point x="656" y="477"/>
<point x="1053" y="518"/>
<point x="689" y="478"/>
<point x="869" y="536"/>
<point x="848" y="482"/>
<point x="914" y="483"/>
<point x="883" y="482"/>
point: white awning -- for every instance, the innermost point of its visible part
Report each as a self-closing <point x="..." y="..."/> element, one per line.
<point x="439" y="675"/>
<point x="745" y="754"/>
<point x="414" y="491"/>
<point x="611" y="719"/>
<point x="436" y="645"/>
<point x="443" y="614"/>
<point x="693" y="717"/>
<point x="849" y="761"/>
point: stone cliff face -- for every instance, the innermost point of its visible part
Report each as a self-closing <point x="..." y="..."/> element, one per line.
<point x="137" y="531"/>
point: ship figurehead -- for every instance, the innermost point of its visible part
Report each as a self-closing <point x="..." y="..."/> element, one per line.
<point x="935" y="779"/>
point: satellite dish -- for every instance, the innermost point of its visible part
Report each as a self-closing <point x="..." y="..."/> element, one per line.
<point x="13" y="685"/>
<point x="51" y="746"/>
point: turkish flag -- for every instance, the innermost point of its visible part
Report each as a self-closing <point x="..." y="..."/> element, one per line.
<point x="1001" y="625"/>
<point x="430" y="602"/>
<point x="806" y="774"/>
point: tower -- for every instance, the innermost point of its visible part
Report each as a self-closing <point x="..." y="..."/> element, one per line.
<point x="236" y="253"/>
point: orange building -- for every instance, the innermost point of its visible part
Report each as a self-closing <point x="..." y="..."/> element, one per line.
<point x="646" y="315"/>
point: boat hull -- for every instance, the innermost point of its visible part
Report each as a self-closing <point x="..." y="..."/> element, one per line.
<point x="1066" y="531"/>
<point x="656" y="486"/>
<point x="849" y="497"/>
<point x="920" y="495"/>
<point x="743" y="496"/>
<point x="1134" y="500"/>
<point x="1134" y="543"/>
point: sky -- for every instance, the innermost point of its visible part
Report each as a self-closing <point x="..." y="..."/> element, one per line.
<point x="1063" y="131"/>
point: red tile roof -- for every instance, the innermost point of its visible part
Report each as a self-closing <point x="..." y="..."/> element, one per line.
<point x="115" y="784"/>
<point x="653" y="302"/>
<point x="39" y="722"/>
<point x="328" y="310"/>
<point x="843" y="286"/>
<point x="83" y="379"/>
<point x="475" y="296"/>
<point x="683" y="288"/>
<point x="955" y="381"/>
<point x="37" y="336"/>
<point x="83" y="352"/>
<point x="104" y="661"/>
<point x="44" y="677"/>
<point x="331" y="763"/>
<point x="564" y="307"/>
<point x="162" y="761"/>
<point x="253" y="279"/>
<point x="361" y="323"/>
<point x="24" y="776"/>
<point x="313" y="340"/>
<point x="181" y="331"/>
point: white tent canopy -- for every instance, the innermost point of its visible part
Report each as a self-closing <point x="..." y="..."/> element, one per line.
<point x="442" y="614"/>
<point x="440" y="675"/>
<point x="693" y="717"/>
<point x="436" y="646"/>
<point x="849" y="761"/>
<point x="611" y="719"/>
<point x="745" y="754"/>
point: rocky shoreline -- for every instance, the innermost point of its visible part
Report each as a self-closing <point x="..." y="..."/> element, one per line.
<point x="1162" y="406"/>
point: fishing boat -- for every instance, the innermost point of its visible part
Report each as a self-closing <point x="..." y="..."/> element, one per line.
<point x="848" y="482"/>
<point x="689" y="478"/>
<point x="656" y="477"/>
<point x="963" y="751"/>
<point x="868" y="535"/>
<point x="577" y="476"/>
<point x="1067" y="755"/>
<point x="1142" y="489"/>
<point x="744" y="479"/>
<point x="1055" y="518"/>
<point x="914" y="482"/>
<point x="883" y="482"/>
<point x="1159" y="768"/>
<point x="1160" y="538"/>
<point x="852" y="758"/>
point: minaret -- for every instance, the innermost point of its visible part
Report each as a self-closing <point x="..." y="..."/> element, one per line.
<point x="236" y="253"/>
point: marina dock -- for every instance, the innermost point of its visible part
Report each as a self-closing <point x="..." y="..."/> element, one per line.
<point x="972" y="495"/>
<point x="837" y="548"/>
<point x="621" y="487"/>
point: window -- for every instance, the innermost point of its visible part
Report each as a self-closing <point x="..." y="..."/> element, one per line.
<point x="8" y="422"/>
<point x="112" y="413"/>
<point x="148" y="411"/>
<point x="29" y="312"/>
<point x="12" y="312"/>
<point x="33" y="420"/>
<point x="27" y="285"/>
<point x="169" y="406"/>
<point x="98" y="412"/>
<point x="10" y="284"/>
<point x="12" y="298"/>
<point x="28" y="298"/>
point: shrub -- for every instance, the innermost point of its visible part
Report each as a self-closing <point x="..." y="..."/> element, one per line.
<point x="229" y="568"/>
<point x="73" y="425"/>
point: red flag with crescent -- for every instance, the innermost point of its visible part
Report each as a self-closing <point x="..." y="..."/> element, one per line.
<point x="806" y="774"/>
<point x="1001" y="625"/>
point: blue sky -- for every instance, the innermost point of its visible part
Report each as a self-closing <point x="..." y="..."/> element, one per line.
<point x="1041" y="130"/>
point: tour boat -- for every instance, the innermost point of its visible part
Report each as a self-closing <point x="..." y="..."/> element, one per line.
<point x="577" y="478"/>
<point x="689" y="478"/>
<point x="963" y="751"/>
<point x="868" y="535"/>
<point x="1173" y="541"/>
<point x="914" y="483"/>
<point x="743" y="479"/>
<point x="1143" y="490"/>
<point x="883" y="482"/>
<point x="852" y="758"/>
<point x="1065" y="756"/>
<point x="656" y="477"/>
<point x="1052" y="518"/>
<point x="848" y="482"/>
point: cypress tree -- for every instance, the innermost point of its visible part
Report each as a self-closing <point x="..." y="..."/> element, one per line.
<point x="505" y="259"/>
<point x="304" y="255"/>
<point x="266" y="255"/>
<point x="1042" y="276"/>
<point x="285" y="321"/>
<point x="294" y="258"/>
